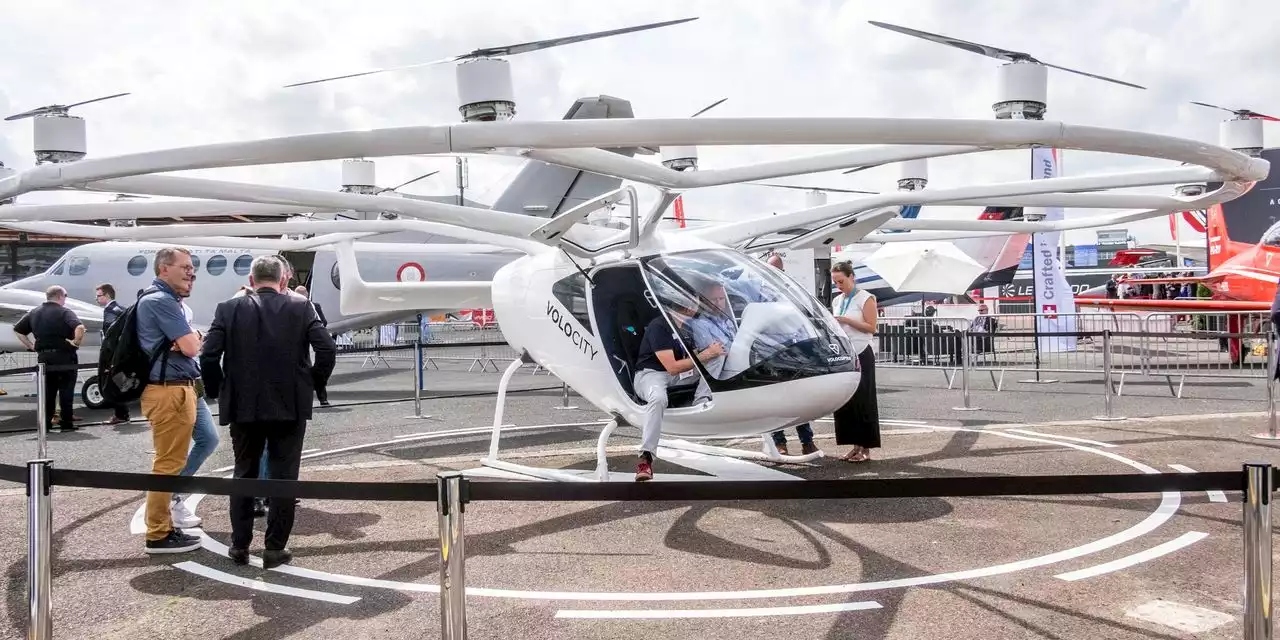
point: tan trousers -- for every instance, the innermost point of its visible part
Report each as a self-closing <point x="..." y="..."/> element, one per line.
<point x="171" y="410"/>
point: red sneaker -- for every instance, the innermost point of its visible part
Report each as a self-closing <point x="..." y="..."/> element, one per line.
<point x="644" y="471"/>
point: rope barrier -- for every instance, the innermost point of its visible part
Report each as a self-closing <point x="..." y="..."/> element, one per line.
<point x="529" y="491"/>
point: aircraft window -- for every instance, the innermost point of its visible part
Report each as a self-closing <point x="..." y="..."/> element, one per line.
<point x="242" y="264"/>
<point x="78" y="265"/>
<point x="216" y="265"/>
<point x="195" y="262"/>
<point x="334" y="278"/>
<point x="137" y="265"/>
<point x="572" y="293"/>
<point x="59" y="268"/>
<point x="781" y="333"/>
<point x="1271" y="237"/>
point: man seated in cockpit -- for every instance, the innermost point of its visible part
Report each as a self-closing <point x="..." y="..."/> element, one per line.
<point x="662" y="361"/>
<point x="713" y="324"/>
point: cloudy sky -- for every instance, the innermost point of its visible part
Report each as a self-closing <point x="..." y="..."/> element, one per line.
<point x="208" y="72"/>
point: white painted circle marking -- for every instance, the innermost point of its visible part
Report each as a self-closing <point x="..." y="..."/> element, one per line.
<point x="1169" y="504"/>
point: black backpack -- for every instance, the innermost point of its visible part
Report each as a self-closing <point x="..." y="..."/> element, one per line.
<point x="124" y="368"/>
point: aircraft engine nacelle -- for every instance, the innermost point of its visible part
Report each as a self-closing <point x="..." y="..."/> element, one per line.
<point x="485" y="92"/>
<point x="59" y="138"/>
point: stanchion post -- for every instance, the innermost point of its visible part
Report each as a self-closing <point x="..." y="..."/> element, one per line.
<point x="42" y="414"/>
<point x="418" y="362"/>
<point x="39" y="551"/>
<point x="1270" y="434"/>
<point x="451" y="504"/>
<point x="965" y="353"/>
<point x="1108" y="391"/>
<point x="1257" y="551"/>
<point x="564" y="398"/>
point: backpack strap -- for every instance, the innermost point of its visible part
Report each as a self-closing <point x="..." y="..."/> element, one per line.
<point x="162" y="350"/>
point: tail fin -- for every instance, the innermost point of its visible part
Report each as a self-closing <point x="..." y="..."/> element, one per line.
<point x="546" y="190"/>
<point x="1221" y="246"/>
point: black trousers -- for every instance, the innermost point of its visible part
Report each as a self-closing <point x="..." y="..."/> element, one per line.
<point x="283" y="441"/>
<point x="59" y="391"/>
<point x="858" y="421"/>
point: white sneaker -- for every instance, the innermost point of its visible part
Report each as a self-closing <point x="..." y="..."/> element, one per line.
<point x="182" y="516"/>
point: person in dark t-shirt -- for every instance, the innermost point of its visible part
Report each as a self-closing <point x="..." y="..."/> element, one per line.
<point x="662" y="360"/>
<point x="58" y="335"/>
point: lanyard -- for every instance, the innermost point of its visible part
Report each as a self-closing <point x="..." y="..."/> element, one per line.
<point x="844" y="304"/>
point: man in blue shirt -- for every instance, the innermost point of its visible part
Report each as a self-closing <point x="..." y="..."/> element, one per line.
<point x="661" y="361"/>
<point x="169" y="400"/>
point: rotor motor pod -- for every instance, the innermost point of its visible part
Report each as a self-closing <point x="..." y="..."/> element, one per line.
<point x="59" y="138"/>
<point x="679" y="158"/>
<point x="1021" y="91"/>
<point x="1243" y="134"/>
<point x="913" y="175"/>
<point x="485" y="92"/>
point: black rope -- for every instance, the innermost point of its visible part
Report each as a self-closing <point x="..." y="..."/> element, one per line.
<point x="425" y="491"/>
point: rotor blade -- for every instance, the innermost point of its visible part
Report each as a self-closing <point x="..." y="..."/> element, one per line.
<point x="117" y="95"/>
<point x="1094" y="76"/>
<point x="500" y="51"/>
<point x="708" y="107"/>
<point x="556" y="42"/>
<point x="804" y="188"/>
<point x="1212" y="106"/>
<point x="992" y="52"/>
<point x="857" y="169"/>
<point x="421" y="177"/>
<point x="972" y="47"/>
<point x="57" y="107"/>
<point x="1240" y="112"/>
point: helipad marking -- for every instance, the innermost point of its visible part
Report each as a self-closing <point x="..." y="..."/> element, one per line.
<point x="1215" y="495"/>
<point x="259" y="585"/>
<point x="649" y="614"/>
<point x="1029" y="432"/>
<point x="1166" y="548"/>
<point x="1169" y="503"/>
<point x="138" y="526"/>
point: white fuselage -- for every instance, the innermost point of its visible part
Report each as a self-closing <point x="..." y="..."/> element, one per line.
<point x="537" y="321"/>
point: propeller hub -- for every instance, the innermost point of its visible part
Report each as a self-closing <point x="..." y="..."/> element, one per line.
<point x="485" y="92"/>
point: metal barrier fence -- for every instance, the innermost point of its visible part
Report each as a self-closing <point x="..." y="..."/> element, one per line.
<point x="452" y="492"/>
<point x="1168" y="345"/>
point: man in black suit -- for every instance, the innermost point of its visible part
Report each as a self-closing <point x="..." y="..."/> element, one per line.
<point x="320" y="377"/>
<point x="256" y="362"/>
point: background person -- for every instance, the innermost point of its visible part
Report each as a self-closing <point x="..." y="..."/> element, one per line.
<point x="204" y="439"/>
<point x="58" y="335"/>
<point x="258" y="367"/>
<point x="111" y="311"/>
<point x="803" y="431"/>
<point x="858" y="421"/>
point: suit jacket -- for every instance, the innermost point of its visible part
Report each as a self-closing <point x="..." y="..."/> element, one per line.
<point x="320" y="312"/>
<point x="255" y="359"/>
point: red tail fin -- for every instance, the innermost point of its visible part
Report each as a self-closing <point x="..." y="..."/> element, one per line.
<point x="1221" y="247"/>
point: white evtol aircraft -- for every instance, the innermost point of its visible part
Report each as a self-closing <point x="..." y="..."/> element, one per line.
<point x="577" y="299"/>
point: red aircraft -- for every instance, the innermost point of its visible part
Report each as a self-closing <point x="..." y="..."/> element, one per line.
<point x="1242" y="276"/>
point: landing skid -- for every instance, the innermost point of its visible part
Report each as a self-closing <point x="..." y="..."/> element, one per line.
<point x="682" y="451"/>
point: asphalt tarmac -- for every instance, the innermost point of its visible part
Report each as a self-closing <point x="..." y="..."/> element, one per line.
<point x="1010" y="567"/>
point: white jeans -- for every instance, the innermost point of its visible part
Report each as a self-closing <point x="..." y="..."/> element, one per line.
<point x="651" y="387"/>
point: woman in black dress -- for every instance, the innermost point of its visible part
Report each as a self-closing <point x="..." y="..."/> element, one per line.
<point x="858" y="421"/>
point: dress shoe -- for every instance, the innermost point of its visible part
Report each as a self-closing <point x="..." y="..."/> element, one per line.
<point x="276" y="557"/>
<point x="239" y="555"/>
<point x="808" y="448"/>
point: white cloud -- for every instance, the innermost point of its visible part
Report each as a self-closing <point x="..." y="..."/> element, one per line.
<point x="206" y="72"/>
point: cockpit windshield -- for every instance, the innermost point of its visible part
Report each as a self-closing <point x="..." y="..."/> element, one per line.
<point x="1271" y="237"/>
<point x="769" y="328"/>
